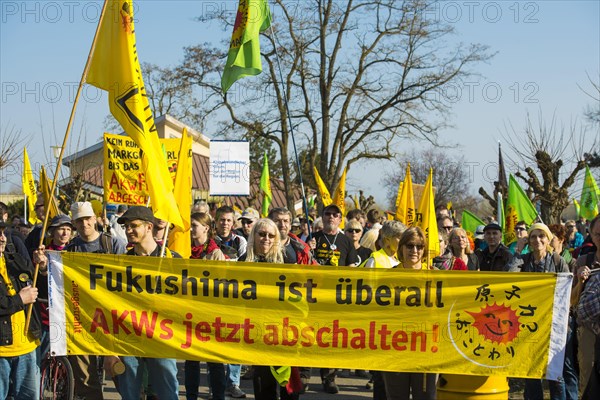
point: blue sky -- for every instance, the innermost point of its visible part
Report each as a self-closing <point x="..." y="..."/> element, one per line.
<point x="545" y="49"/>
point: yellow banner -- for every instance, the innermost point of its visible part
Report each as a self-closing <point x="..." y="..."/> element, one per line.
<point x="480" y="323"/>
<point x="124" y="177"/>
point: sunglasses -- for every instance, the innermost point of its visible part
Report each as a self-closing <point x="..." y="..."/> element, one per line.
<point x="132" y="225"/>
<point x="264" y="234"/>
<point x="354" y="230"/>
<point x="247" y="222"/>
<point x="331" y="214"/>
<point x="448" y="228"/>
<point x="418" y="247"/>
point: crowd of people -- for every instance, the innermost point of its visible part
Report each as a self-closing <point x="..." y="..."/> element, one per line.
<point x="367" y="240"/>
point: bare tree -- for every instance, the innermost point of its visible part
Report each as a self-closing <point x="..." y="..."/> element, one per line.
<point x="592" y="113"/>
<point x="357" y="77"/>
<point x="450" y="176"/>
<point x="11" y="146"/>
<point x="549" y="147"/>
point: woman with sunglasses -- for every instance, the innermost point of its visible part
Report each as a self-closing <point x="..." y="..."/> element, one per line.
<point x="204" y="248"/>
<point x="264" y="245"/>
<point x="400" y="385"/>
<point x="462" y="254"/>
<point x="354" y="232"/>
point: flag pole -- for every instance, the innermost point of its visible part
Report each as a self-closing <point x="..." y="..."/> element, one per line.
<point x="287" y="109"/>
<point x="62" y="150"/>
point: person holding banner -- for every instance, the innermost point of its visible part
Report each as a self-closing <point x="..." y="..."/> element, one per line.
<point x="331" y="247"/>
<point x="542" y="258"/>
<point x="138" y="222"/>
<point x="496" y="256"/>
<point x="204" y="248"/>
<point x="389" y="236"/>
<point x="232" y="245"/>
<point x="89" y="240"/>
<point x="61" y="233"/>
<point x="403" y="385"/>
<point x="264" y="245"/>
<point x="19" y="371"/>
<point x="459" y="245"/>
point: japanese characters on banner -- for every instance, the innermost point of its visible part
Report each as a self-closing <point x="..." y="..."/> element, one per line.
<point x="124" y="177"/>
<point x="477" y="323"/>
<point x="229" y="168"/>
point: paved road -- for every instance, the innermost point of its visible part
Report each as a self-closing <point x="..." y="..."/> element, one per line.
<point x="351" y="387"/>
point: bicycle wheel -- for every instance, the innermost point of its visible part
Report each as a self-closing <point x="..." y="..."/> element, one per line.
<point x="46" y="391"/>
<point x="64" y="382"/>
<point x="57" y="380"/>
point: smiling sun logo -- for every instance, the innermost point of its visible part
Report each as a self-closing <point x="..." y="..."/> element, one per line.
<point x="497" y="323"/>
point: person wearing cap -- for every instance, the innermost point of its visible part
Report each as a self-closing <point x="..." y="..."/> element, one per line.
<point x="542" y="258"/>
<point x="304" y="234"/>
<point x="296" y="226"/>
<point x="333" y="248"/>
<point x="60" y="232"/>
<point x="496" y="256"/>
<point x="19" y="371"/>
<point x="138" y="223"/>
<point x="478" y="239"/>
<point x="89" y="240"/>
<point x="32" y="241"/>
<point x="248" y="218"/>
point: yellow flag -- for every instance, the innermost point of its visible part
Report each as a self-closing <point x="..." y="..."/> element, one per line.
<point x="426" y="219"/>
<point x="405" y="205"/>
<point x="339" y="196"/>
<point x="29" y="189"/>
<point x="179" y="239"/>
<point x="115" y="68"/>
<point x="323" y="191"/>
<point x="49" y="199"/>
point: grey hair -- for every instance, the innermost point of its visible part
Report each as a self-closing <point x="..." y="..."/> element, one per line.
<point x="392" y="229"/>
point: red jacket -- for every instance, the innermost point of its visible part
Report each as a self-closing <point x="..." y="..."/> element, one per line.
<point x="303" y="253"/>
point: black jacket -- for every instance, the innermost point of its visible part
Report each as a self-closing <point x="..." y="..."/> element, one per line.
<point x="20" y="271"/>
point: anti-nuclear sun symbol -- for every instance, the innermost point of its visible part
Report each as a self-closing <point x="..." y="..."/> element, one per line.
<point x="497" y="323"/>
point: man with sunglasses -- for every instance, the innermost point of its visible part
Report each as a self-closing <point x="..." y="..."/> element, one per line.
<point x="333" y="248"/>
<point x="248" y="218"/>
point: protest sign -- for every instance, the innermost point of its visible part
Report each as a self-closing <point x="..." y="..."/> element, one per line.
<point x="479" y="323"/>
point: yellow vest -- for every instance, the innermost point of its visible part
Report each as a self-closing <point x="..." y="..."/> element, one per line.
<point x="382" y="260"/>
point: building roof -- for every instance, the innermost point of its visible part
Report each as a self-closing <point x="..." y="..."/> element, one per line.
<point x="92" y="172"/>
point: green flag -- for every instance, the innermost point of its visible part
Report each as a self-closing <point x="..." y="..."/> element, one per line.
<point x="470" y="222"/>
<point x="265" y="187"/>
<point x="243" y="59"/>
<point x="518" y="208"/>
<point x="588" y="205"/>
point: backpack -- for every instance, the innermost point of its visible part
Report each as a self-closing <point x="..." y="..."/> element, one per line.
<point x="106" y="245"/>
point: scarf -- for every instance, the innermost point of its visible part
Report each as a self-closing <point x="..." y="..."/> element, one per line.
<point x="204" y="249"/>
